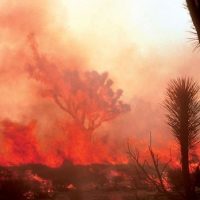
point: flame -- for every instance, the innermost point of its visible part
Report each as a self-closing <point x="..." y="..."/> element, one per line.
<point x="21" y="146"/>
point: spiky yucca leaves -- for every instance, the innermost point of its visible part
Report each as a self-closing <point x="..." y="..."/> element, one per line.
<point x="194" y="10"/>
<point x="183" y="116"/>
<point x="183" y="108"/>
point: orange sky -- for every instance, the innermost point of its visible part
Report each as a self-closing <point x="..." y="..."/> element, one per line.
<point x="141" y="43"/>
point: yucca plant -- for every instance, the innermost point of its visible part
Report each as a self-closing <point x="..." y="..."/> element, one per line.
<point x="183" y="117"/>
<point x="194" y="10"/>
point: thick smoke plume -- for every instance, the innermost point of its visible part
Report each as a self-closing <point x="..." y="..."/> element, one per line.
<point x="139" y="55"/>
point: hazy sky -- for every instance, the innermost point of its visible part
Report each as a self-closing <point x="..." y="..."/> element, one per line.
<point x="139" y="42"/>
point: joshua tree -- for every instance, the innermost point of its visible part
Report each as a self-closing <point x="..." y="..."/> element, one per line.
<point x="194" y="10"/>
<point x="87" y="97"/>
<point x="183" y="118"/>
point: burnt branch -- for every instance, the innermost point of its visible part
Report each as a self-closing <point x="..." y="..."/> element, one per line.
<point x="144" y="169"/>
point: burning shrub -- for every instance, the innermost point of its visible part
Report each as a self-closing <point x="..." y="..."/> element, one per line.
<point x="40" y="187"/>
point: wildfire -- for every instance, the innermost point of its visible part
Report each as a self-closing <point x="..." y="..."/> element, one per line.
<point x="86" y="98"/>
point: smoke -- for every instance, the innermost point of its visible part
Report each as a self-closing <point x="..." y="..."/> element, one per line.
<point x="141" y="53"/>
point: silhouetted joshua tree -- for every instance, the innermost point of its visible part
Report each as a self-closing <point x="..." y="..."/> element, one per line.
<point x="194" y="10"/>
<point x="183" y="117"/>
<point x="88" y="97"/>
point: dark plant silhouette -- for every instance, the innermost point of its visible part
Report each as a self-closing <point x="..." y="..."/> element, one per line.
<point x="153" y="172"/>
<point x="183" y="117"/>
<point x="21" y="186"/>
<point x="175" y="179"/>
<point x="194" y="10"/>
